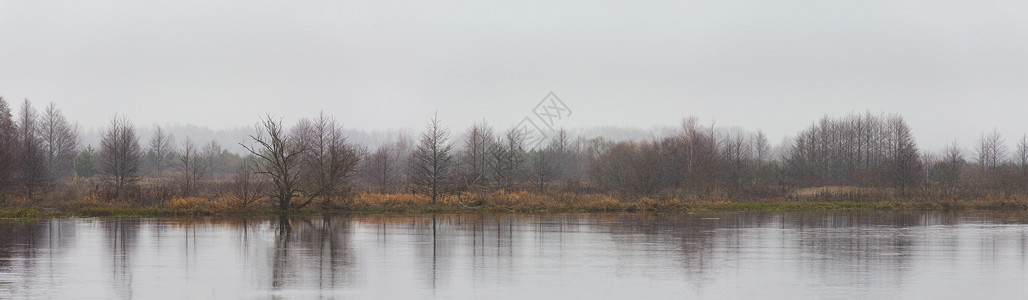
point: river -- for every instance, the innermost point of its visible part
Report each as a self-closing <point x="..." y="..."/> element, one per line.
<point x="876" y="255"/>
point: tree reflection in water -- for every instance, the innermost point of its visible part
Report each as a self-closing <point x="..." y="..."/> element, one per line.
<point x="312" y="253"/>
<point x="720" y="255"/>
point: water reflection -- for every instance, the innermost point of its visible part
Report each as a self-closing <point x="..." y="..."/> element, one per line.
<point x="311" y="253"/>
<point x="28" y="252"/>
<point x="738" y="255"/>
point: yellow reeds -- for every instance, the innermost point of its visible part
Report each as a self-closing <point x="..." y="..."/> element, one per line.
<point x="197" y="205"/>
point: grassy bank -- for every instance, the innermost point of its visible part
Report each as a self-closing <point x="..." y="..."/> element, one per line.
<point x="501" y="202"/>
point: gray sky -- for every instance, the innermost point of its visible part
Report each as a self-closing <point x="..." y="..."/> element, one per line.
<point x="952" y="68"/>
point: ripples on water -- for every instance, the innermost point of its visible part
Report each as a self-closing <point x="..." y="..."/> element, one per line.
<point x="702" y="256"/>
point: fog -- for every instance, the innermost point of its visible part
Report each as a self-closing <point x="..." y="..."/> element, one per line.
<point x="952" y="68"/>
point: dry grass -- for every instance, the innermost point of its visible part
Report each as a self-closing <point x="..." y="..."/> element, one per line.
<point x="368" y="200"/>
<point x="201" y="206"/>
<point x="836" y="191"/>
<point x="844" y="192"/>
<point x="88" y="200"/>
<point x="521" y="201"/>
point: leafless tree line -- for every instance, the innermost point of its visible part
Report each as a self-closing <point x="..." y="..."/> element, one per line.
<point x="856" y="150"/>
<point x="990" y="168"/>
<point x="483" y="161"/>
<point x="39" y="150"/>
<point x="312" y="161"/>
<point x="35" y="150"/>
<point x="697" y="161"/>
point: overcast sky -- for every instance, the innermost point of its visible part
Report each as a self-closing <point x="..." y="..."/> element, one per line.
<point x="952" y="68"/>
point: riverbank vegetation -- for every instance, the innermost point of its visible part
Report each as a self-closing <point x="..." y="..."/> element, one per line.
<point x="858" y="161"/>
<point x="500" y="202"/>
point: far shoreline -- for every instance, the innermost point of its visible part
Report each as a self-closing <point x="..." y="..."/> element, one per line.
<point x="644" y="205"/>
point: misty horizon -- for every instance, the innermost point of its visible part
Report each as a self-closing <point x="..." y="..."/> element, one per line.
<point x="231" y="138"/>
<point x="953" y="70"/>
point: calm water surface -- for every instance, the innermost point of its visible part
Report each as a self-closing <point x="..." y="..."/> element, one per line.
<point x="630" y="256"/>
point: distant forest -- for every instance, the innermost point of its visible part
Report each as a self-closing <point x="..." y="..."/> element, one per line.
<point x="313" y="161"/>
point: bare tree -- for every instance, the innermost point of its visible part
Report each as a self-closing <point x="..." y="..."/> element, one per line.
<point x="160" y="152"/>
<point x="542" y="167"/>
<point x="508" y="158"/>
<point x="562" y="154"/>
<point x="761" y="147"/>
<point x="381" y="169"/>
<point x="1022" y="163"/>
<point x="329" y="161"/>
<point x="766" y="166"/>
<point x="949" y="168"/>
<point x="1022" y="152"/>
<point x="737" y="158"/>
<point x="991" y="150"/>
<point x="60" y="141"/>
<point x="907" y="168"/>
<point x="32" y="163"/>
<point x="403" y="152"/>
<point x="474" y="158"/>
<point x="592" y="153"/>
<point x="928" y="161"/>
<point x="212" y="158"/>
<point x="245" y="186"/>
<point x="191" y="167"/>
<point x="8" y="148"/>
<point x="120" y="154"/>
<point x="278" y="159"/>
<point x="701" y="156"/>
<point x="432" y="162"/>
<point x="561" y="141"/>
<point x="616" y="169"/>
